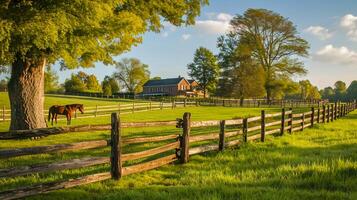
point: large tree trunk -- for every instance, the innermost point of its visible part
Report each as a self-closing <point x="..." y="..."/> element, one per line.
<point x="26" y="93"/>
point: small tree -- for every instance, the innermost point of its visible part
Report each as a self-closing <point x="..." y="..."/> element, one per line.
<point x="110" y="86"/>
<point x="352" y="91"/>
<point x="204" y="69"/>
<point x="51" y="80"/>
<point x="107" y="90"/>
<point x="132" y="74"/>
<point x="340" y="90"/>
<point x="92" y="84"/>
<point x="74" y="84"/>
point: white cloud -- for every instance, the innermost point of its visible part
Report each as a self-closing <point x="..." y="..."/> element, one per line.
<point x="216" y="25"/>
<point x="349" y="22"/>
<point x="319" y="31"/>
<point x="164" y="34"/>
<point x="186" y="36"/>
<point x="338" y="55"/>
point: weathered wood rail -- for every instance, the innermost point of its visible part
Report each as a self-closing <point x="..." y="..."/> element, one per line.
<point x="177" y="146"/>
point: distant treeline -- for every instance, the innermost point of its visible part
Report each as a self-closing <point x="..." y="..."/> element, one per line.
<point x="340" y="92"/>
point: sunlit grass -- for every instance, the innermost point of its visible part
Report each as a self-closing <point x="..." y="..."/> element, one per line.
<point x="318" y="163"/>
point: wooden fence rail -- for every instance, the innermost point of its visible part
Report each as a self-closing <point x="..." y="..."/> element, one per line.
<point x="178" y="147"/>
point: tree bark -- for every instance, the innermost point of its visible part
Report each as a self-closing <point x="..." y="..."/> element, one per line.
<point x="26" y="93"/>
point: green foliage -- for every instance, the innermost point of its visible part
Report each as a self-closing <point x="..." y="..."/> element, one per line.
<point x="107" y="90"/>
<point x="156" y="78"/>
<point x="327" y="93"/>
<point x="340" y="90"/>
<point x="132" y="74"/>
<point x="51" y="80"/>
<point x="81" y="32"/>
<point x="273" y="42"/>
<point x="3" y="85"/>
<point x="241" y="77"/>
<point x="308" y="91"/>
<point x="204" y="69"/>
<point x="110" y="86"/>
<point x="93" y="84"/>
<point x="352" y="91"/>
<point x="81" y="82"/>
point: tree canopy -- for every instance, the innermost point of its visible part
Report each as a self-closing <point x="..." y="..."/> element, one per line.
<point x="274" y="43"/>
<point x="132" y="74"/>
<point x="110" y="86"/>
<point x="241" y="76"/>
<point x="79" y="33"/>
<point x="82" y="82"/>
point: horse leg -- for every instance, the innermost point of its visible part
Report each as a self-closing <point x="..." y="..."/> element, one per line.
<point x="56" y="118"/>
<point x="53" y="116"/>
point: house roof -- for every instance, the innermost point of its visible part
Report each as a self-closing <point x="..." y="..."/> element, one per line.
<point x="167" y="81"/>
<point x="191" y="81"/>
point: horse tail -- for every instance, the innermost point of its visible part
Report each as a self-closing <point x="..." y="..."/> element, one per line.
<point x="49" y="114"/>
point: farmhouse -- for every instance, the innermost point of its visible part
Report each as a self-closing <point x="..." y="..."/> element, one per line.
<point x="172" y="87"/>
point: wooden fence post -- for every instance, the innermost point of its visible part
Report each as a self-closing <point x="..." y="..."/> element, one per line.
<point x="245" y="130"/>
<point x="96" y="111"/>
<point x="328" y="113"/>
<point x="323" y="113"/>
<point x="173" y="104"/>
<point x="115" y="158"/>
<point x="3" y="112"/>
<point x="332" y="113"/>
<point x="184" y="143"/>
<point x="222" y="124"/>
<point x="133" y="107"/>
<point x="184" y="102"/>
<point x="318" y="115"/>
<point x="312" y="116"/>
<point x="161" y="105"/>
<point x="335" y="115"/>
<point x="290" y="123"/>
<point x="262" y="125"/>
<point x="150" y="105"/>
<point x="302" y="121"/>
<point x="119" y="108"/>
<point x="282" y="121"/>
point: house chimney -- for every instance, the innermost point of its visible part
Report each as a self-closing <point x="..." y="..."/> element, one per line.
<point x="179" y="76"/>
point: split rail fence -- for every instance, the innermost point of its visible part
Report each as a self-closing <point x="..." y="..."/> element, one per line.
<point x="102" y="111"/>
<point x="177" y="147"/>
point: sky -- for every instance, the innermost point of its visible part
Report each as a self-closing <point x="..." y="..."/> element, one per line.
<point x="330" y="27"/>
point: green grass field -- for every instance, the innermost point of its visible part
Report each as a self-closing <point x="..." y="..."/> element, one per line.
<point x="319" y="163"/>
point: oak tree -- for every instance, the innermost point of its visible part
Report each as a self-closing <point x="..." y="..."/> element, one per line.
<point x="274" y="43"/>
<point x="35" y="33"/>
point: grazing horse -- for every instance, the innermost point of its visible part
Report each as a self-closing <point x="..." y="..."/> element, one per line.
<point x="67" y="110"/>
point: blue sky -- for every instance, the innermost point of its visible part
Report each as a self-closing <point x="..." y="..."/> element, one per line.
<point x="330" y="26"/>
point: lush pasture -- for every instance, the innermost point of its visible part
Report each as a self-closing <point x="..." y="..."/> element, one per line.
<point x="319" y="163"/>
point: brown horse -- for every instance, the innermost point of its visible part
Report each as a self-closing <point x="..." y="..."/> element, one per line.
<point x="67" y="110"/>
